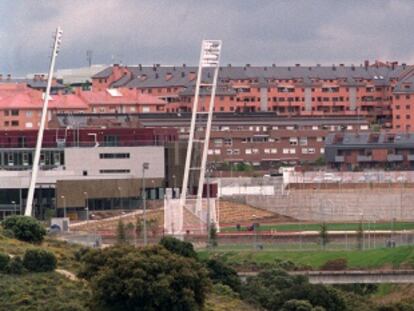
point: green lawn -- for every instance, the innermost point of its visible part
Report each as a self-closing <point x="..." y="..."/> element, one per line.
<point x="400" y="257"/>
<point x="331" y="226"/>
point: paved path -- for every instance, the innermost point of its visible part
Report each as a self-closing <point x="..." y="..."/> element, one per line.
<point x="71" y="276"/>
<point x="90" y="222"/>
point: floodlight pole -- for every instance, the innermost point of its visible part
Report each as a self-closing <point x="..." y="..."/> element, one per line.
<point x="145" y="166"/>
<point x="35" y="169"/>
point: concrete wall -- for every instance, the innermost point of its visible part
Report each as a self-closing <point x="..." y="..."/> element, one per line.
<point x="81" y="159"/>
<point x="345" y="205"/>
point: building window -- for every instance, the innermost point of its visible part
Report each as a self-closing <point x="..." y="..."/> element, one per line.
<point x="273" y="151"/>
<point x="15" y="123"/>
<point x="29" y="113"/>
<point x="267" y="151"/>
<point x="248" y="151"/>
<point x="218" y="142"/>
<point x="117" y="171"/>
<point x="14" y="112"/>
<point x="303" y="141"/>
<point x="228" y="142"/>
<point x="114" y="155"/>
<point x="236" y="151"/>
<point x="217" y="151"/>
<point x="293" y="141"/>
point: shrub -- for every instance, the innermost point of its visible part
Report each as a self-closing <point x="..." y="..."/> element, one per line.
<point x="80" y="253"/>
<point x="25" y="228"/>
<point x="335" y="264"/>
<point x="15" y="266"/>
<point x="4" y="261"/>
<point x="178" y="247"/>
<point x="39" y="260"/>
<point x="120" y="232"/>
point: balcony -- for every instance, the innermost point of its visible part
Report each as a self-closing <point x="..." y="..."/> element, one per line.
<point x="410" y="157"/>
<point x="340" y="159"/>
<point x="364" y="158"/>
<point x="395" y="157"/>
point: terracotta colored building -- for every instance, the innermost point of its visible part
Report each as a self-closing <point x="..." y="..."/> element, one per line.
<point x="261" y="138"/>
<point x="351" y="151"/>
<point x="21" y="106"/>
<point x="366" y="90"/>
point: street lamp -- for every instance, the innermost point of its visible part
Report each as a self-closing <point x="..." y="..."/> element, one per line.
<point x="209" y="171"/>
<point x="145" y="166"/>
<point x="64" y="205"/>
<point x="14" y="205"/>
<point x="86" y="206"/>
<point x="120" y="197"/>
<point x="174" y="184"/>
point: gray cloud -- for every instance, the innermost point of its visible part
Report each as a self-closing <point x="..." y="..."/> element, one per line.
<point x="170" y="31"/>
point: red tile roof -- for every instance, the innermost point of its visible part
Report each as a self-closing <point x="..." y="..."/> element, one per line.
<point x="33" y="99"/>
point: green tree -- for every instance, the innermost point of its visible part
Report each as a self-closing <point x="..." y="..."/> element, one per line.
<point x="360" y="236"/>
<point x="153" y="225"/>
<point x="219" y="272"/>
<point x="15" y="266"/>
<point x="271" y="289"/>
<point x="25" y="228"/>
<point x="149" y="278"/>
<point x="121" y="237"/>
<point x="130" y="231"/>
<point x="213" y="235"/>
<point x="323" y="235"/>
<point x="296" y="305"/>
<point x="4" y="261"/>
<point x="139" y="227"/>
<point x="178" y="247"/>
<point x="39" y="260"/>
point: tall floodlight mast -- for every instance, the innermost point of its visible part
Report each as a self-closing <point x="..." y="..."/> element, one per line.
<point x="35" y="169"/>
<point x="206" y="81"/>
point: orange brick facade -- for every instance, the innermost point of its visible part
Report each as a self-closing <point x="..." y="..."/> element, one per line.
<point x="367" y="90"/>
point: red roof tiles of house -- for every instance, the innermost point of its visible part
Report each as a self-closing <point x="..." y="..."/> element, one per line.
<point x="32" y="99"/>
<point x="119" y="97"/>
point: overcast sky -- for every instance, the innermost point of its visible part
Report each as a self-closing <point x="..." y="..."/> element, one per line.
<point x="258" y="32"/>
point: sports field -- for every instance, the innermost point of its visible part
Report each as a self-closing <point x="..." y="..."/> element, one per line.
<point x="388" y="226"/>
<point x="390" y="258"/>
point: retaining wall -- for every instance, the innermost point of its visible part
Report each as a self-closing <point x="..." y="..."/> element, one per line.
<point x="338" y="205"/>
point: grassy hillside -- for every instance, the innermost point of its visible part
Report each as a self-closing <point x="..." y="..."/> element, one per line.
<point x="400" y="257"/>
<point x="42" y="292"/>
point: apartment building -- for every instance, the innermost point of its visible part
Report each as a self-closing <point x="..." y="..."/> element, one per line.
<point x="366" y="90"/>
<point x="359" y="151"/>
<point x="403" y="105"/>
<point x="21" y="106"/>
<point x="261" y="139"/>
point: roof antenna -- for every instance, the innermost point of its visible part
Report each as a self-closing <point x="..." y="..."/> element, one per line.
<point x="89" y="54"/>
